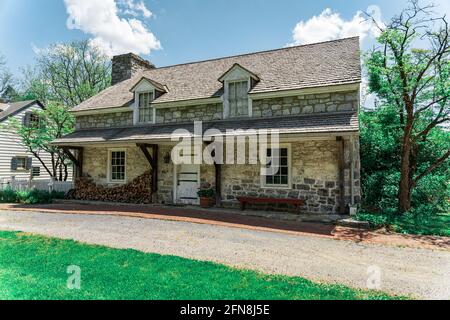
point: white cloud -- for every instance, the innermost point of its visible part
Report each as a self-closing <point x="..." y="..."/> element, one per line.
<point x="112" y="33"/>
<point x="135" y="8"/>
<point x="329" y="25"/>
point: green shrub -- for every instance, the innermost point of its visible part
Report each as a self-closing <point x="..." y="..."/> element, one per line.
<point x="34" y="197"/>
<point x="206" y="193"/>
<point x="29" y="196"/>
<point x="8" y="196"/>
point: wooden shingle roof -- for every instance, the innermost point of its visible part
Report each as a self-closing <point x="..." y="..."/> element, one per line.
<point x="299" y="67"/>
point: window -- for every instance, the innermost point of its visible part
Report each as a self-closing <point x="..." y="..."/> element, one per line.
<point x="34" y="121"/>
<point x="31" y="120"/>
<point x="145" y="110"/>
<point x="282" y="177"/>
<point x="238" y="98"/>
<point x="117" y="166"/>
<point x="21" y="163"/>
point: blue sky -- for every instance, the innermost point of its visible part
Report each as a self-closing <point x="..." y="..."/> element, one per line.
<point x="176" y="31"/>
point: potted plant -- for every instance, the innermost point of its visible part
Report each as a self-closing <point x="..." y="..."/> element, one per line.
<point x="207" y="197"/>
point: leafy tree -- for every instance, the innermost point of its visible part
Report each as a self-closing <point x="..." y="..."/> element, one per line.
<point x="54" y="122"/>
<point x="411" y="73"/>
<point x="67" y="74"/>
<point x="381" y="136"/>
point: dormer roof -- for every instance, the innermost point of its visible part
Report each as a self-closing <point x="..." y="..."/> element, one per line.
<point x="237" y="70"/>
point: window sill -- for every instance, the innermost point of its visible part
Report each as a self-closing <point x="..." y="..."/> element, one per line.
<point x="283" y="187"/>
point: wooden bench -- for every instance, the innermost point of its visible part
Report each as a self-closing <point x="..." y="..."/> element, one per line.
<point x="253" y="200"/>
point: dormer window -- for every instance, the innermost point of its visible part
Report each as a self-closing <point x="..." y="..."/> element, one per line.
<point x="144" y="106"/>
<point x="238" y="98"/>
<point x="145" y="92"/>
<point x="237" y="83"/>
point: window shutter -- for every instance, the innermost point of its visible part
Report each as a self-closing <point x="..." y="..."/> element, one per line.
<point x="13" y="164"/>
<point x="29" y="163"/>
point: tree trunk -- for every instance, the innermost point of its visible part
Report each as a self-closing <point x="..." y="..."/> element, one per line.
<point x="404" y="192"/>
<point x="66" y="173"/>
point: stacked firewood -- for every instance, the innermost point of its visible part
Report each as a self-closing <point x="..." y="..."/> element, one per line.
<point x="137" y="191"/>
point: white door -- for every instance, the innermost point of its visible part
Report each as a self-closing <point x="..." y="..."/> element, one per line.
<point x="188" y="184"/>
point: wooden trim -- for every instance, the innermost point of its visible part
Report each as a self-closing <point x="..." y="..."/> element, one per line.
<point x="152" y="160"/>
<point x="101" y="111"/>
<point x="341" y="165"/>
<point x="312" y="90"/>
<point x="218" y="178"/>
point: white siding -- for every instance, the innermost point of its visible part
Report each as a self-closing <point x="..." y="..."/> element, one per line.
<point x="11" y="146"/>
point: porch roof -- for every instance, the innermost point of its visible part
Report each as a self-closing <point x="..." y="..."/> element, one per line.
<point x="342" y="122"/>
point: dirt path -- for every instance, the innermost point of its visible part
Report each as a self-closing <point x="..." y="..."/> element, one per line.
<point x="422" y="273"/>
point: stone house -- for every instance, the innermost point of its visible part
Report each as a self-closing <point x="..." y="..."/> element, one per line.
<point x="308" y="94"/>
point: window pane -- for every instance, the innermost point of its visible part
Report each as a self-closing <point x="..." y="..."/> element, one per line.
<point x="281" y="177"/>
<point x="145" y="109"/>
<point x="238" y="98"/>
<point x="117" y="165"/>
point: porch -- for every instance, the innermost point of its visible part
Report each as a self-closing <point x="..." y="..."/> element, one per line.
<point x="317" y="165"/>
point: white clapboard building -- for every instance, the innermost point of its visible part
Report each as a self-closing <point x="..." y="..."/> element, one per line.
<point x="16" y="162"/>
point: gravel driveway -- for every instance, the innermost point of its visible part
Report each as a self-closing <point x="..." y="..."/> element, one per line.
<point x="420" y="273"/>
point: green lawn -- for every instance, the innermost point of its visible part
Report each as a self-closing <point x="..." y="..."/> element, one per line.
<point x="438" y="224"/>
<point x="34" y="267"/>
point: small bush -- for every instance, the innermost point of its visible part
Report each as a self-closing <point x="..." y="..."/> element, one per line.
<point x="29" y="196"/>
<point x="8" y="196"/>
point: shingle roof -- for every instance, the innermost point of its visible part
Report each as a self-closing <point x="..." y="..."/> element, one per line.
<point x="314" y="65"/>
<point x="305" y="124"/>
<point x="15" y="107"/>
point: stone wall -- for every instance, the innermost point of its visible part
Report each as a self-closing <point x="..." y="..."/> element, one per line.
<point x="95" y="163"/>
<point x="305" y="104"/>
<point x="314" y="178"/>
<point x="274" y="107"/>
<point x="315" y="175"/>
<point x="206" y="112"/>
<point x="105" y="120"/>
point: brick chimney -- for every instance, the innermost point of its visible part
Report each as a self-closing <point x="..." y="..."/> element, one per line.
<point x="126" y="66"/>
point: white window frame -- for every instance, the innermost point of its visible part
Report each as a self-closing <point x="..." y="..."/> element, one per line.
<point x="110" y="180"/>
<point x="226" y="100"/>
<point x="264" y="185"/>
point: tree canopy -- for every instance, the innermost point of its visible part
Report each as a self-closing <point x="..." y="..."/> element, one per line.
<point x="410" y="72"/>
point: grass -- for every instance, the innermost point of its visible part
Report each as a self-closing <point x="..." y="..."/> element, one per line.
<point x="35" y="267"/>
<point x="437" y="224"/>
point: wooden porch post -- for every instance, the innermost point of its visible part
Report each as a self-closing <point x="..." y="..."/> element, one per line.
<point x="218" y="169"/>
<point x="341" y="165"/>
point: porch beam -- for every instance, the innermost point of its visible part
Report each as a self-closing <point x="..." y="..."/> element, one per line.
<point x="341" y="169"/>
<point x="153" y="161"/>
<point x="77" y="160"/>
